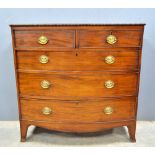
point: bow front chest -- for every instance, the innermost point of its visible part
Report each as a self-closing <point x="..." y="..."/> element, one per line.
<point x="77" y="78"/>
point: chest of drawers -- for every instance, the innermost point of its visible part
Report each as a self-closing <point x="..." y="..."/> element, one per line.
<point x="77" y="78"/>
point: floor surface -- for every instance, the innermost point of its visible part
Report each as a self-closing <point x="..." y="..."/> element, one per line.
<point x="10" y="136"/>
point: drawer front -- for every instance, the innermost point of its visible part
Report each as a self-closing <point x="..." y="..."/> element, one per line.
<point x="45" y="39"/>
<point x="124" y="59"/>
<point x="81" y="111"/>
<point x="84" y="85"/>
<point x="99" y="39"/>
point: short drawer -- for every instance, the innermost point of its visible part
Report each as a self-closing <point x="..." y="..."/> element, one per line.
<point x="45" y="39"/>
<point x="101" y="39"/>
<point x="78" y="85"/>
<point x="78" y="111"/>
<point x="89" y="60"/>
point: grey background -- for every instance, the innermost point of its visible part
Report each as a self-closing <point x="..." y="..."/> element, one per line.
<point x="8" y="99"/>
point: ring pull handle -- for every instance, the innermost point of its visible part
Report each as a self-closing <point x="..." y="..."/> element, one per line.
<point x="45" y="84"/>
<point x="109" y="84"/>
<point x="42" y="40"/>
<point x="46" y="111"/>
<point x="109" y="59"/>
<point x="108" y="110"/>
<point x="111" y="39"/>
<point x="43" y="59"/>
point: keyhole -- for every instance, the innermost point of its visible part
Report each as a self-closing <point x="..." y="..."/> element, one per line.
<point x="76" y="54"/>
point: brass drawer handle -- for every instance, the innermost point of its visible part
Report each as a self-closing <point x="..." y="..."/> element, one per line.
<point x="42" y="40"/>
<point x="109" y="59"/>
<point x="43" y="59"/>
<point x="111" y="39"/>
<point x="109" y="84"/>
<point x="108" y="110"/>
<point x="45" y="84"/>
<point x="46" y="111"/>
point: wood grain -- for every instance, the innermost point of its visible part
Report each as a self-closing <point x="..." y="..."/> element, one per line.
<point x="59" y="39"/>
<point x="79" y="127"/>
<point x="77" y="73"/>
<point x="76" y="60"/>
<point x="97" y="39"/>
<point x="91" y="85"/>
<point x="79" y="111"/>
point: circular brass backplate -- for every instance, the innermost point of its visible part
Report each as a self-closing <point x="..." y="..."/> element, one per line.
<point x="43" y="59"/>
<point x="108" y="110"/>
<point x="42" y="40"/>
<point x="46" y="110"/>
<point x="109" y="84"/>
<point x="45" y="84"/>
<point x="109" y="59"/>
<point x="111" y="39"/>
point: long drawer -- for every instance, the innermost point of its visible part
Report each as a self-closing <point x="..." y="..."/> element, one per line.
<point x="93" y="84"/>
<point x="81" y="111"/>
<point x="81" y="60"/>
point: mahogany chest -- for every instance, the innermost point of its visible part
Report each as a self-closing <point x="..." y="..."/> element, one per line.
<point x="77" y="78"/>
